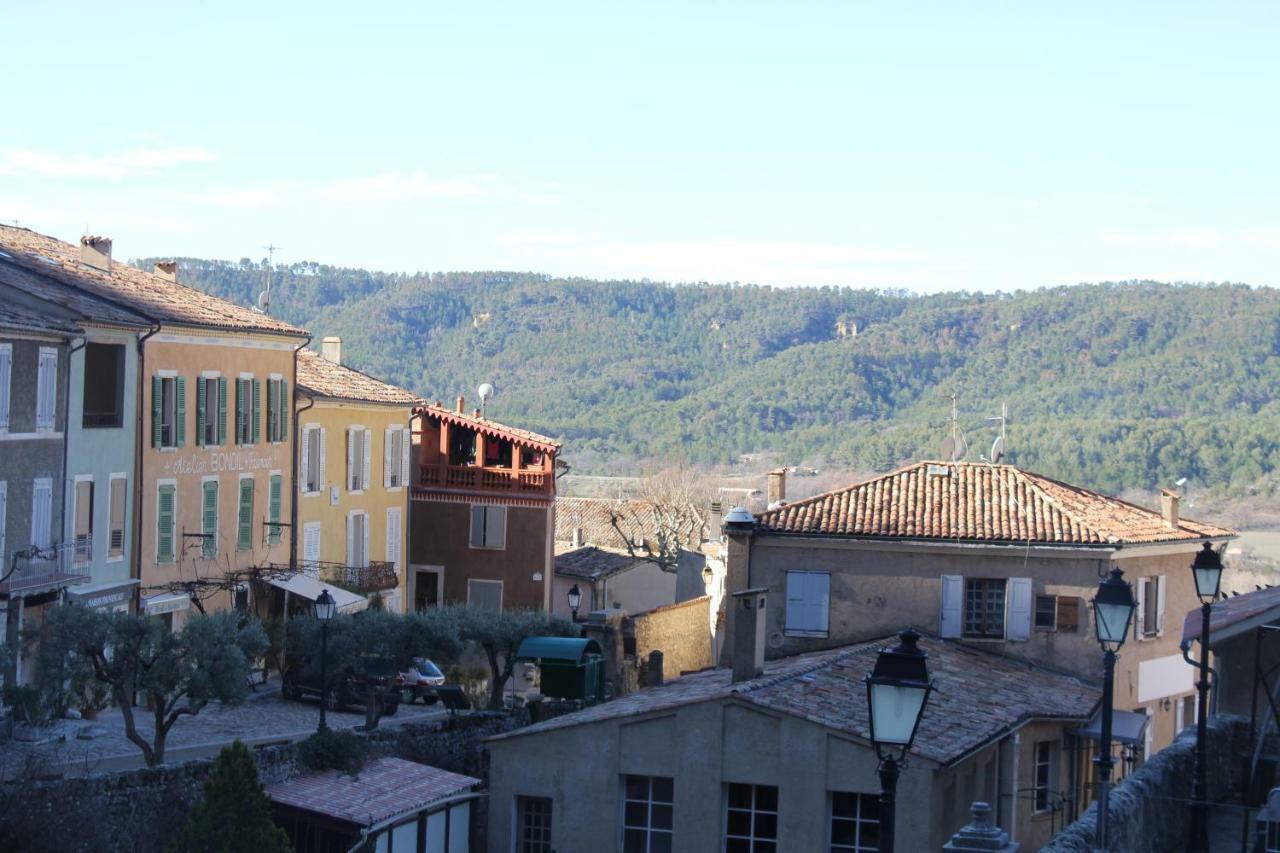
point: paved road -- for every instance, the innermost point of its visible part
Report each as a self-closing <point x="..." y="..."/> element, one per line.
<point x="265" y="718"/>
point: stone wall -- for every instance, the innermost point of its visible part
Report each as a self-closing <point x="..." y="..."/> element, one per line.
<point x="143" y="810"/>
<point x="682" y="632"/>
<point x="1148" y="811"/>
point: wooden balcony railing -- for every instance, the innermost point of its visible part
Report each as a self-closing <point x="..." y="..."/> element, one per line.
<point x="476" y="478"/>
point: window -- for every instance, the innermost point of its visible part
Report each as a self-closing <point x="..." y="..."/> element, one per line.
<point x="277" y="410"/>
<point x="168" y="411"/>
<point x="311" y="547"/>
<point x="165" y="511"/>
<point x="984" y="608"/>
<point x="103" y="386"/>
<point x="83" y="519"/>
<point x="47" y="388"/>
<point x="115" y="520"/>
<point x="312" y="456"/>
<point x="1042" y="776"/>
<point x="393" y="537"/>
<point x="1150" y="614"/>
<point x="211" y="410"/>
<point x="275" y="487"/>
<point x="395" y="457"/>
<point x="248" y="413"/>
<point x="488" y="526"/>
<point x="646" y="814"/>
<point x="244" y="532"/>
<point x="533" y="825"/>
<point x="1068" y="614"/>
<point x="358" y="458"/>
<point x="358" y="540"/>
<point x="1046" y="612"/>
<point x="855" y="822"/>
<point x="42" y="512"/>
<point x="1187" y="706"/>
<point x="808" y="603"/>
<point x="209" y="520"/>
<point x="6" y="375"/>
<point x="751" y="819"/>
<point x="485" y="594"/>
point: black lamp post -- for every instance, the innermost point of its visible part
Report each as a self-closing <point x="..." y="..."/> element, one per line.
<point x="1207" y="569"/>
<point x="325" y="608"/>
<point x="1113" y="608"/>
<point x="575" y="600"/>
<point x="897" y="690"/>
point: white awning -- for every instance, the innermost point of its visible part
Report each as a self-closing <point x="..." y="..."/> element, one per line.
<point x="1126" y="727"/>
<point x="166" y="602"/>
<point x="107" y="594"/>
<point x="310" y="588"/>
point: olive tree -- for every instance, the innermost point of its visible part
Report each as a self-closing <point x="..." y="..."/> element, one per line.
<point x="499" y="634"/>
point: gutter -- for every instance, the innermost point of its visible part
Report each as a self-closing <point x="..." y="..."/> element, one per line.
<point x="293" y="460"/>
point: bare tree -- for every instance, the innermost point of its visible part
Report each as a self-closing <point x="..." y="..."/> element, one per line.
<point x="668" y="515"/>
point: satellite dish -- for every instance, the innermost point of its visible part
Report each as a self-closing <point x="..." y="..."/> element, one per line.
<point x="485" y="391"/>
<point x="961" y="449"/>
<point x="948" y="448"/>
<point x="264" y="301"/>
<point x="997" y="449"/>
<point x="1182" y="481"/>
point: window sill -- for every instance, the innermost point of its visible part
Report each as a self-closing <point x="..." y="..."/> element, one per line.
<point x="985" y="639"/>
<point x="312" y="494"/>
<point x="791" y="632"/>
<point x="355" y="492"/>
<point x="118" y="558"/>
<point x="487" y="547"/>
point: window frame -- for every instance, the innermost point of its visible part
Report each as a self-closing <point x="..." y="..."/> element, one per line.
<point x="313" y="440"/>
<point x="83" y="550"/>
<point x="500" y="584"/>
<point x="754" y="810"/>
<point x="857" y="819"/>
<point x="988" y="584"/>
<point x="1036" y="612"/>
<point x="6" y="384"/>
<point x="648" y="829"/>
<point x="118" y="391"/>
<point x="793" y="631"/>
<point x="484" y="536"/>
<point x="114" y="554"/>
<point x="1041" y="791"/>
<point x="520" y="842"/>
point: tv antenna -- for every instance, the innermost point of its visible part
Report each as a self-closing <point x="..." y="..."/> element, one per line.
<point x="485" y="391"/>
<point x="954" y="446"/>
<point x="997" y="446"/>
<point x="264" y="298"/>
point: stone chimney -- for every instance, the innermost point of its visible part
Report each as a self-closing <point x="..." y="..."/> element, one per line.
<point x="748" y="634"/>
<point x="777" y="486"/>
<point x="715" y="520"/>
<point x="96" y="252"/>
<point x="462" y="405"/>
<point x="167" y="270"/>
<point x="331" y="349"/>
<point x="1169" y="501"/>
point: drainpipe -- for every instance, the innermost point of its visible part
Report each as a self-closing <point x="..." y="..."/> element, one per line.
<point x="66" y="445"/>
<point x="140" y="446"/>
<point x="293" y="462"/>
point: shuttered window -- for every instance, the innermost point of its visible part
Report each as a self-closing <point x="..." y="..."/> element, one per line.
<point x="274" y="498"/>
<point x="164" y="523"/>
<point x="211" y="410"/>
<point x="244" y="533"/>
<point x="4" y="517"/>
<point x="277" y="410"/>
<point x="115" y="520"/>
<point x="247" y="391"/>
<point x="84" y="520"/>
<point x="488" y="526"/>
<point x="312" y="456"/>
<point x="168" y="411"/>
<point x="6" y="376"/>
<point x="42" y="512"/>
<point x="393" y="537"/>
<point x="311" y="546"/>
<point x="358" y="540"/>
<point x="808" y="603"/>
<point x="47" y="388"/>
<point x="209" y="520"/>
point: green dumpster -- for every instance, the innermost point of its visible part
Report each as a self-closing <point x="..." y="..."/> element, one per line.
<point x="572" y="667"/>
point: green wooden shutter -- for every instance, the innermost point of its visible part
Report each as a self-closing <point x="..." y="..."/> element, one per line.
<point x="200" y="399"/>
<point x="157" y="399"/>
<point x="283" y="435"/>
<point x="273" y="532"/>
<point x="222" y="410"/>
<point x="209" y="548"/>
<point x="273" y="401"/>
<point x="255" y="411"/>
<point x="244" y="541"/>
<point x="240" y="420"/>
<point x="180" y="392"/>
<point x="164" y="525"/>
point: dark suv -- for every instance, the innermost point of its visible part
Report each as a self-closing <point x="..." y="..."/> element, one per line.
<point x="349" y="685"/>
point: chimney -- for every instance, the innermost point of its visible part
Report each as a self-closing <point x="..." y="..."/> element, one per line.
<point x="462" y="404"/>
<point x="96" y="252"/>
<point x="577" y="537"/>
<point x="716" y="519"/>
<point x="331" y="349"/>
<point x="1169" y="501"/>
<point x="167" y="270"/>
<point x="777" y="486"/>
<point x="748" y="634"/>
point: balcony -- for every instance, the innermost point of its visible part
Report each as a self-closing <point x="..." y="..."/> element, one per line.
<point x="55" y="567"/>
<point x="474" y="478"/>
<point x="378" y="576"/>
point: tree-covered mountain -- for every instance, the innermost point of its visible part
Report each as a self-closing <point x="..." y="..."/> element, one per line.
<point x="1114" y="385"/>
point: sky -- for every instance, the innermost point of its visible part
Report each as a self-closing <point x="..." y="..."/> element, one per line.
<point x="927" y="146"/>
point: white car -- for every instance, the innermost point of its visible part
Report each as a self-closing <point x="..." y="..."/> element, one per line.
<point x="419" y="681"/>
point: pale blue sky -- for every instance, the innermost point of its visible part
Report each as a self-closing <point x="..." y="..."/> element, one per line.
<point x="932" y="146"/>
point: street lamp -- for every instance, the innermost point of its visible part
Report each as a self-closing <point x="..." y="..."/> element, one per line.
<point x="325" y="608"/>
<point x="575" y="599"/>
<point x="897" y="690"/>
<point x="1207" y="569"/>
<point x="1113" y="608"/>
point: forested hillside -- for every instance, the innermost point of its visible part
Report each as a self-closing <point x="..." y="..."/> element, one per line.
<point x="1113" y="385"/>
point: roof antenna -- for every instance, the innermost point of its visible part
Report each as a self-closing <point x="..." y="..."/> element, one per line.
<point x="954" y="447"/>
<point x="264" y="298"/>
<point x="997" y="446"/>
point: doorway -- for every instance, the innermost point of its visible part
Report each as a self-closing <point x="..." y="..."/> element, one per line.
<point x="427" y="585"/>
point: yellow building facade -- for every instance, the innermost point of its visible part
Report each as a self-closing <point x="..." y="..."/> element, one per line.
<point x="354" y="466"/>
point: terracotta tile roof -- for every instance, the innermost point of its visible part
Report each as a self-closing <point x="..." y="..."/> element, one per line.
<point x="145" y="292"/>
<point x="77" y="302"/>
<point x="383" y="789"/>
<point x="978" y="695"/>
<point x="322" y="378"/>
<point x="977" y="502"/>
<point x="592" y="516"/>
<point x="593" y="563"/>
<point x="493" y="428"/>
<point x="1239" y="612"/>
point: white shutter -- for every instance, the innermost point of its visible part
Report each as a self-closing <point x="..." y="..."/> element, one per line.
<point x="477" y="526"/>
<point x="1160" y="606"/>
<point x="320" y="480"/>
<point x="1018" y="616"/>
<point x="951" y="611"/>
<point x="797" y="606"/>
<point x="393" y="537"/>
<point x="305" y="463"/>
<point x="6" y="373"/>
<point x="366" y="477"/>
<point x="46" y="388"/>
<point x="1140" y="623"/>
<point x="406" y="441"/>
<point x="42" y="512"/>
<point x="351" y="539"/>
<point x="386" y="457"/>
<point x="311" y="546"/>
<point x="819" y="600"/>
<point x="364" y="535"/>
<point x="351" y="459"/>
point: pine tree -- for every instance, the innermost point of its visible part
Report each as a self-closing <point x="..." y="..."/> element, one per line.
<point x="234" y="816"/>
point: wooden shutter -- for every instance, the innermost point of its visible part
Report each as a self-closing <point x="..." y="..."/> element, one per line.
<point x="1018" y="616"/>
<point x="42" y="512"/>
<point x="274" y="500"/>
<point x="304" y="462"/>
<point x="406" y="441"/>
<point x="951" y="610"/>
<point x="47" y="388"/>
<point x="311" y="544"/>
<point x="283" y="416"/>
<point x="209" y="547"/>
<point x="83" y="520"/>
<point x="351" y="538"/>
<point x="387" y="450"/>
<point x="495" y="527"/>
<point x="320" y="481"/>
<point x="6" y="376"/>
<point x="200" y="402"/>
<point x="244" y="539"/>
<point x="238" y="432"/>
<point x="366" y="476"/>
<point x="1160" y="606"/>
<point x="157" y="402"/>
<point x="222" y="410"/>
<point x="164" y="525"/>
<point x="477" y="526"/>
<point x="1068" y="613"/>
<point x="364" y="540"/>
<point x="393" y="537"/>
<point x="1140" y="616"/>
<point x="4" y="513"/>
<point x="352" y="441"/>
<point x="273" y="405"/>
<point x="255" y="411"/>
<point x="180" y="418"/>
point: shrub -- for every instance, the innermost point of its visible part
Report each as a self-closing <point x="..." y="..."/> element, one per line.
<point x="234" y="816"/>
<point x="332" y="750"/>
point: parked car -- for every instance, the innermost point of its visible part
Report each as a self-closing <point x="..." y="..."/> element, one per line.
<point x="349" y="685"/>
<point x="419" y="681"/>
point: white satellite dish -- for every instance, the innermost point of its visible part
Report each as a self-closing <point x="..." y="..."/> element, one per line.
<point x="485" y="391"/>
<point x="997" y="449"/>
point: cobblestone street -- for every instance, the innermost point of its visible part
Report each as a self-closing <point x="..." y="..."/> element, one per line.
<point x="264" y="718"/>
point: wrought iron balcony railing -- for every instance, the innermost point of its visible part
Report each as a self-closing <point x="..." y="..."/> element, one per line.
<point x="40" y="569"/>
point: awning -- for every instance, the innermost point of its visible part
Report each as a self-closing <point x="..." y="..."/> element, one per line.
<point x="166" y="602"/>
<point x="572" y="649"/>
<point x="108" y="594"/>
<point x="310" y="589"/>
<point x="1126" y="727"/>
